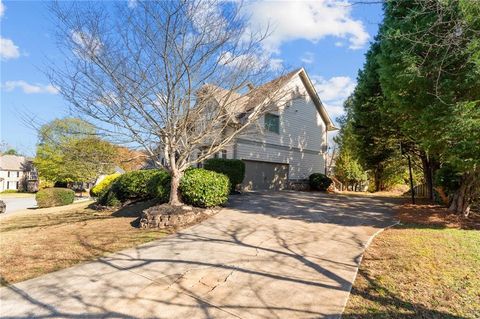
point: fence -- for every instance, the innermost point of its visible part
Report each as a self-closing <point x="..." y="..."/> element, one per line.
<point x="420" y="190"/>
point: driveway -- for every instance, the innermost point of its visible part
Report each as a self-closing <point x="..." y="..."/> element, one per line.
<point x="272" y="255"/>
<point x="18" y="203"/>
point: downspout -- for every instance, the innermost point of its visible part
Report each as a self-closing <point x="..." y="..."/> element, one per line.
<point x="326" y="150"/>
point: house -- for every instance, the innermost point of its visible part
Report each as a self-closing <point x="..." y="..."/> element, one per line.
<point x="17" y="173"/>
<point x="292" y="143"/>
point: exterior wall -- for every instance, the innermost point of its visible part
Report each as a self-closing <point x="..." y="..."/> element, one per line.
<point x="301" y="163"/>
<point x="301" y="140"/>
<point x="10" y="182"/>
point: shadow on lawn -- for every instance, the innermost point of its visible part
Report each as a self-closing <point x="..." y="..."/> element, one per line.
<point x="394" y="306"/>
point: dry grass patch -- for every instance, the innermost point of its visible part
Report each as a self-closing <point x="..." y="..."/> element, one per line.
<point x="428" y="269"/>
<point x="46" y="240"/>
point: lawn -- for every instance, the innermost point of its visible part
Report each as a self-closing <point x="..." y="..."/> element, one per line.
<point x="427" y="267"/>
<point x="45" y="240"/>
<point x="16" y="195"/>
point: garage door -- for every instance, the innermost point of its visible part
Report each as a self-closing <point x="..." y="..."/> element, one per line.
<point x="265" y="175"/>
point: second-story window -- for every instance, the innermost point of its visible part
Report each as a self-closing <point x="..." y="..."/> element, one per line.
<point x="272" y="123"/>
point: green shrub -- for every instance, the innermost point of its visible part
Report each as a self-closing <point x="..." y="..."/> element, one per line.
<point x="108" y="198"/>
<point x="136" y="185"/>
<point x="159" y="186"/>
<point x="319" y="182"/>
<point x="202" y="188"/>
<point x="103" y="184"/>
<point x="50" y="197"/>
<point x="234" y="169"/>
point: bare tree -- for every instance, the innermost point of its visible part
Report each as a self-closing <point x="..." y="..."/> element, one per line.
<point x="164" y="75"/>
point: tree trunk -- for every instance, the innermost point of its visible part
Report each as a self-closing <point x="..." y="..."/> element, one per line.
<point x="175" y="182"/>
<point x="463" y="197"/>
<point x="377" y="177"/>
<point x="429" y="165"/>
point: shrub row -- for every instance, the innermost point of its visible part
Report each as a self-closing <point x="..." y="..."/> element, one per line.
<point x="198" y="187"/>
<point x="319" y="181"/>
<point x="50" y="197"/>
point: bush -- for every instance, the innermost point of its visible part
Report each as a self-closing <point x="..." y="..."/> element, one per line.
<point x="50" y="197"/>
<point x="42" y="184"/>
<point x="136" y="185"/>
<point x="103" y="184"/>
<point x="319" y="182"/>
<point x="203" y="188"/>
<point x="234" y="169"/>
<point x="108" y="198"/>
<point x="159" y="186"/>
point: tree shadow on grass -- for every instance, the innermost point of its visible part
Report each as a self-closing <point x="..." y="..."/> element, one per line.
<point x="393" y="306"/>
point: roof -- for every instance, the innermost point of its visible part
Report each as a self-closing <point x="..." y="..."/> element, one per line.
<point x="243" y="103"/>
<point x="12" y="162"/>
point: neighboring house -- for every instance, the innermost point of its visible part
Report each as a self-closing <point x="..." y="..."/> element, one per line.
<point x="293" y="142"/>
<point x="17" y="173"/>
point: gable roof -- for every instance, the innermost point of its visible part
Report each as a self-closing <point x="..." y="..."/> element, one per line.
<point x="12" y="162"/>
<point x="243" y="103"/>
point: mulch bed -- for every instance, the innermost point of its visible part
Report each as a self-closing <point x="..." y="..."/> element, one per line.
<point x="435" y="215"/>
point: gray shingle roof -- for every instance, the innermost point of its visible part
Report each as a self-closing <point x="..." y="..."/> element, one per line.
<point x="12" y="162"/>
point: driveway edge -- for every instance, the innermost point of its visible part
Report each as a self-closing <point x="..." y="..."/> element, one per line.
<point x="368" y="243"/>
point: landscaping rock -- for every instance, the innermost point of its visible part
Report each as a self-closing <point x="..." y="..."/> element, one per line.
<point x="166" y="216"/>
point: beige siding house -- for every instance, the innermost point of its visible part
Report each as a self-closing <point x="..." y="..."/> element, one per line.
<point x="17" y="173"/>
<point x="293" y="142"/>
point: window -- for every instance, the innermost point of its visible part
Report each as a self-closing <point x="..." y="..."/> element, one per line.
<point x="18" y="174"/>
<point x="8" y="173"/>
<point x="224" y="154"/>
<point x="272" y="123"/>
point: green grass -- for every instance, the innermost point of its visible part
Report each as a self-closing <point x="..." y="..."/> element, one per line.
<point x="9" y="191"/>
<point x="418" y="271"/>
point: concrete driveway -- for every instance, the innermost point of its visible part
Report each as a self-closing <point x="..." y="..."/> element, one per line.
<point x="15" y="204"/>
<point x="274" y="255"/>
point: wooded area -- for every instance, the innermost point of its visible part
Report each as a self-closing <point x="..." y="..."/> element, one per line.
<point x="418" y="95"/>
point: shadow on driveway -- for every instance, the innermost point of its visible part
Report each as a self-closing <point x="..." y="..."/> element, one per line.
<point x="271" y="255"/>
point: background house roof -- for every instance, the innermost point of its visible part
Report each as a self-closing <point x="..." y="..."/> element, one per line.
<point x="12" y="162"/>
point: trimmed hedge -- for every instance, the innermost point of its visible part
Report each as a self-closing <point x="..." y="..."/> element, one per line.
<point x="137" y="185"/>
<point x="319" y="181"/>
<point x="50" y="197"/>
<point x="204" y="188"/>
<point x="103" y="184"/>
<point x="234" y="169"/>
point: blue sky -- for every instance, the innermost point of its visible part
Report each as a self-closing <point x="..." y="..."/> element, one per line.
<point x="328" y="38"/>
